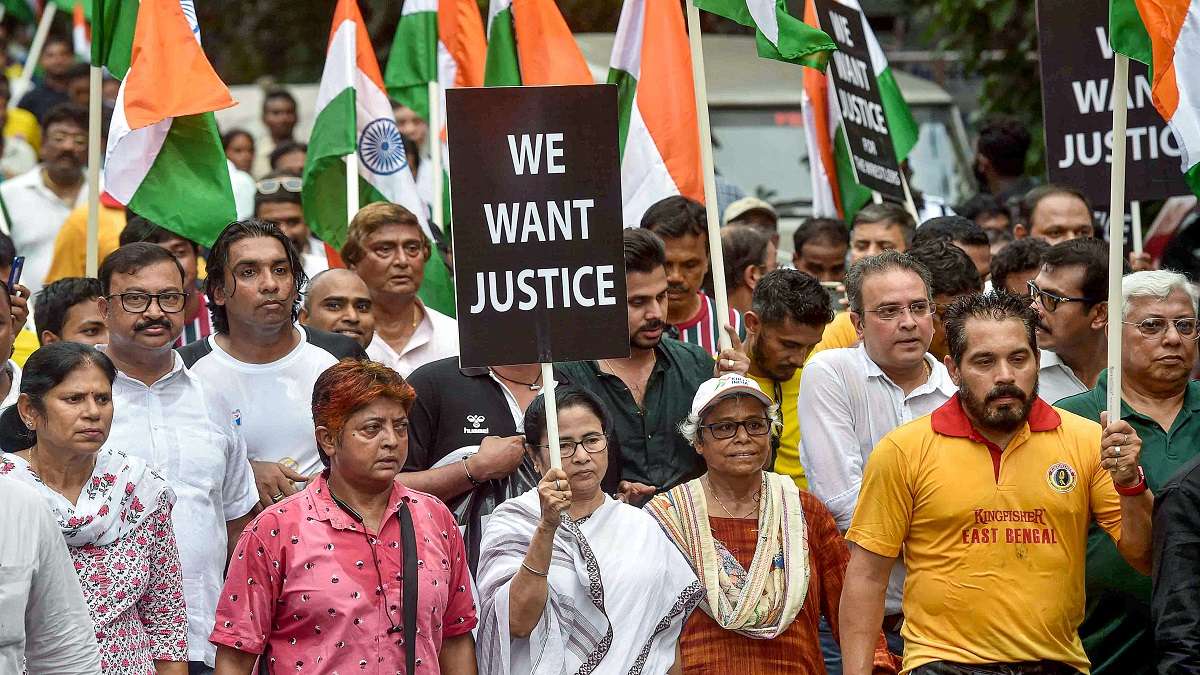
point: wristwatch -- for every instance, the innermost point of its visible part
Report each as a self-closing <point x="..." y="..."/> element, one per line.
<point x="1135" y="489"/>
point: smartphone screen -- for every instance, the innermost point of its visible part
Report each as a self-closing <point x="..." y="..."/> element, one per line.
<point x="14" y="275"/>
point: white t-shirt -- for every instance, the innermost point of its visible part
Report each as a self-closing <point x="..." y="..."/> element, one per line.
<point x="183" y="428"/>
<point x="436" y="338"/>
<point x="37" y="216"/>
<point x="273" y="401"/>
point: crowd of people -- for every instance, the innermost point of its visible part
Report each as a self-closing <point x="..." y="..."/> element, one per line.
<point x="264" y="455"/>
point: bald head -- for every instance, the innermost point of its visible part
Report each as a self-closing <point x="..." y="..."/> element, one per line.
<point x="339" y="302"/>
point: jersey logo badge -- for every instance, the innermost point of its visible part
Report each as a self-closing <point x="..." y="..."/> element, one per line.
<point x="1062" y="478"/>
<point x="476" y="422"/>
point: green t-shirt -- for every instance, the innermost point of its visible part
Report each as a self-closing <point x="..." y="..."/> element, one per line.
<point x="1116" y="630"/>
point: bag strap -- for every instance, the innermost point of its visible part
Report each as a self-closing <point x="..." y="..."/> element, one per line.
<point x="408" y="540"/>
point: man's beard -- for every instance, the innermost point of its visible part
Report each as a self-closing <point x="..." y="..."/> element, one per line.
<point x="776" y="372"/>
<point x="639" y="342"/>
<point x="1006" y="419"/>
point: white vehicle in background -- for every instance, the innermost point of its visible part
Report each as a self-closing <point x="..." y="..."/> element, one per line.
<point x="757" y="125"/>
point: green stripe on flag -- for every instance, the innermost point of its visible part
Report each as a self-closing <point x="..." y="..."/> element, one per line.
<point x="187" y="189"/>
<point x="799" y="43"/>
<point x="502" y="68"/>
<point x="626" y="93"/>
<point x="112" y="34"/>
<point x="19" y="10"/>
<point x="900" y="120"/>
<point x="412" y="63"/>
<point x="1192" y="177"/>
<point x="1127" y="32"/>
<point x="324" y="193"/>
<point x="853" y="195"/>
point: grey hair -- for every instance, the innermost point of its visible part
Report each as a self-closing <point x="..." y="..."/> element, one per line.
<point x="689" y="427"/>
<point x="878" y="264"/>
<point x="1156" y="284"/>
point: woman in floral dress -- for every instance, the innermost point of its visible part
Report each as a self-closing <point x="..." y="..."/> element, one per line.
<point x="114" y="512"/>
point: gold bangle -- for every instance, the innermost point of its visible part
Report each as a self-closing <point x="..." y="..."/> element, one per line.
<point x="535" y="572"/>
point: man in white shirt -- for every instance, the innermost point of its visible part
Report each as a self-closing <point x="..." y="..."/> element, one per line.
<point x="850" y="398"/>
<point x="38" y="201"/>
<point x="1070" y="297"/>
<point x="263" y="363"/>
<point x="386" y="247"/>
<point x="181" y="426"/>
<point x="45" y="625"/>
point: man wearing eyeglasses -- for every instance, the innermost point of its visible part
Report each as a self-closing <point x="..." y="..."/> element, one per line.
<point x="181" y="426"/>
<point x="1070" y="296"/>
<point x="277" y="199"/>
<point x="852" y="397"/>
<point x="1158" y="333"/>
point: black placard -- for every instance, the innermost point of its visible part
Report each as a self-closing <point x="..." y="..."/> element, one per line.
<point x="859" y="101"/>
<point x="1077" y="75"/>
<point x="535" y="189"/>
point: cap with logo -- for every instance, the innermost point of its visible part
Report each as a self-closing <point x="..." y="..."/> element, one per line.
<point x="713" y="391"/>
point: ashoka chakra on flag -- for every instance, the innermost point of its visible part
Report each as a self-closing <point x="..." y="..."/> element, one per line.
<point x="381" y="147"/>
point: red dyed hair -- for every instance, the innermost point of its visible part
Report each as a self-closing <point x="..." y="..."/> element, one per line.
<point x="351" y="384"/>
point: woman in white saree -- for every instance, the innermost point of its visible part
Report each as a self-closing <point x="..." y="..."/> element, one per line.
<point x="571" y="580"/>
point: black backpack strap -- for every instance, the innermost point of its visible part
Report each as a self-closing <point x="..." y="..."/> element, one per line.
<point x="408" y="539"/>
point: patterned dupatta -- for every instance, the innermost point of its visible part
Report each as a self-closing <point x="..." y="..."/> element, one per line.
<point x="122" y="491"/>
<point x="760" y="602"/>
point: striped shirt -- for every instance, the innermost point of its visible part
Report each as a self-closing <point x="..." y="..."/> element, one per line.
<point x="198" y="327"/>
<point x="703" y="328"/>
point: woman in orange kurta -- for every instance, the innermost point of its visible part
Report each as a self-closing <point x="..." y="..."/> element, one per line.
<point x="770" y="557"/>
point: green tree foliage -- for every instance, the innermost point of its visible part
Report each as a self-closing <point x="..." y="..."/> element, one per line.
<point x="995" y="39"/>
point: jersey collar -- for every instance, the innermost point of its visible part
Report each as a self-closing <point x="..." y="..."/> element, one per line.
<point x="952" y="420"/>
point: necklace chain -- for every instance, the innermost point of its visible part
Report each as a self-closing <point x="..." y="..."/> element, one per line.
<point x="536" y="385"/>
<point x="754" y="507"/>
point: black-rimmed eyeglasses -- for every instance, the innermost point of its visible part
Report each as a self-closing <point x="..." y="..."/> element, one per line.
<point x="169" y="302"/>
<point x="1051" y="301"/>
<point x="755" y="426"/>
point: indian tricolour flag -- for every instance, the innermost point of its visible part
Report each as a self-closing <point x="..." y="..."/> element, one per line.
<point x="660" y="140"/>
<point x="1165" y="35"/>
<point x="780" y="36"/>
<point x="164" y="158"/>
<point x="354" y="118"/>
<point x="835" y="192"/>
<point x="81" y="33"/>
<point x="25" y="11"/>
<point x="529" y="43"/>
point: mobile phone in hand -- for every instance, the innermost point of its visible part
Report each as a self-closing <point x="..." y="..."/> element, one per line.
<point x="14" y="275"/>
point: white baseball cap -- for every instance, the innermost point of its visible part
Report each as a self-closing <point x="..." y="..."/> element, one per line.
<point x="712" y="391"/>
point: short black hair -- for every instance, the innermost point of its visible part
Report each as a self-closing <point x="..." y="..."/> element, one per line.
<point x="676" y="216"/>
<point x="281" y="94"/>
<point x="954" y="229"/>
<point x="130" y="258"/>
<point x="644" y="250"/>
<point x="1021" y="255"/>
<point x="218" y="261"/>
<point x="57" y="298"/>
<point x="998" y="305"/>
<point x="8" y="250"/>
<point x="983" y="205"/>
<point x="887" y="261"/>
<point x="285" y="148"/>
<point x="58" y="39"/>
<point x="951" y="271"/>
<point x="888" y="213"/>
<point x="79" y="71"/>
<point x="1030" y="201"/>
<point x="231" y="135"/>
<point x="820" y="230"/>
<point x="743" y="246"/>
<point x="69" y="113"/>
<point x="1004" y="141"/>
<point x="791" y="294"/>
<point x="1092" y="256"/>
<point x="139" y="228"/>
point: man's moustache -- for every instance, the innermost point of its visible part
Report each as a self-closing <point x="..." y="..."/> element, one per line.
<point x="151" y="324"/>
<point x="1008" y="390"/>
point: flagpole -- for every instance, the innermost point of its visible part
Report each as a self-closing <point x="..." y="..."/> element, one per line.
<point x="1116" y="232"/>
<point x="716" y="256"/>
<point x="909" y="203"/>
<point x="548" y="387"/>
<point x="435" y="152"/>
<point x="93" y="178"/>
<point x="352" y="158"/>
<point x="35" y="54"/>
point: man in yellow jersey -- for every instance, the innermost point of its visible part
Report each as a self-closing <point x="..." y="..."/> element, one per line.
<point x="990" y="499"/>
<point x="789" y="309"/>
<point x="876" y="228"/>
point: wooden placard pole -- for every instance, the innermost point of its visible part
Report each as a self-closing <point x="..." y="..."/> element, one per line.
<point x="548" y="387"/>
<point x="21" y="86"/>
<point x="1116" y="233"/>
<point x="93" y="173"/>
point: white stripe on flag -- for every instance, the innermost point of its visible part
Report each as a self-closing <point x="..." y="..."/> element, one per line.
<point x="763" y="13"/>
<point x="130" y="153"/>
<point x="627" y="45"/>
<point x="333" y="78"/>
<point x="415" y="6"/>
<point x="1186" y="120"/>
<point x="644" y="175"/>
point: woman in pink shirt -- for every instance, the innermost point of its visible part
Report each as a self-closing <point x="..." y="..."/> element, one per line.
<point x="356" y="573"/>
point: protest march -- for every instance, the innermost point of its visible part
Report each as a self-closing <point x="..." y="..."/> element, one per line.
<point x="728" y="337"/>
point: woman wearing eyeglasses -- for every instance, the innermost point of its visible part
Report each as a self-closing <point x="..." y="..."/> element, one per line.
<point x="570" y="579"/>
<point x="356" y="573"/>
<point x="769" y="556"/>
